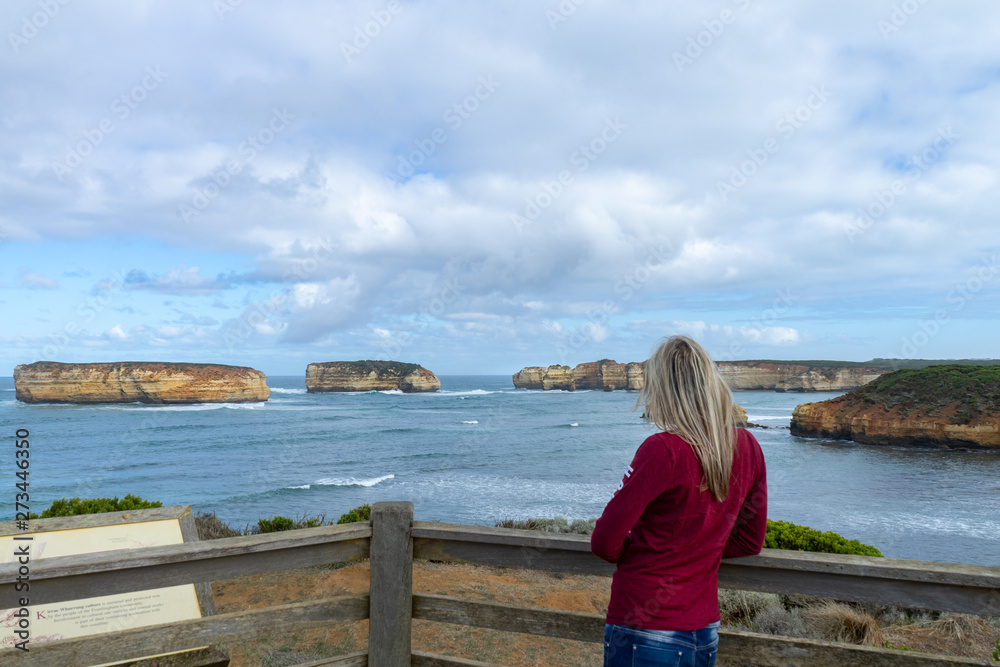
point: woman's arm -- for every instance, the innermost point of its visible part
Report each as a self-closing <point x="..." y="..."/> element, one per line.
<point x="747" y="537"/>
<point x="644" y="480"/>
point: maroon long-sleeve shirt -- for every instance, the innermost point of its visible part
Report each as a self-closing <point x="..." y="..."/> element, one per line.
<point x="668" y="537"/>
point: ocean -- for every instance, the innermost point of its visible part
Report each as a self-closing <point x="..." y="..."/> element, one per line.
<point x="475" y="452"/>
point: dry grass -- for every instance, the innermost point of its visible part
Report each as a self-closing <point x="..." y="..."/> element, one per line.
<point x="845" y="623"/>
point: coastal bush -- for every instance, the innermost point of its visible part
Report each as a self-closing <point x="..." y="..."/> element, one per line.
<point x="359" y="513"/>
<point x="786" y="535"/>
<point x="211" y="527"/>
<point x="973" y="390"/>
<point x="75" y="506"/>
<point x="275" y="525"/>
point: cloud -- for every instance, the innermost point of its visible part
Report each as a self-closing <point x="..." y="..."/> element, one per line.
<point x="32" y="280"/>
<point x="179" y="280"/>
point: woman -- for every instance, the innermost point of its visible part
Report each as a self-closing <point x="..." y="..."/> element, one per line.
<point x="694" y="494"/>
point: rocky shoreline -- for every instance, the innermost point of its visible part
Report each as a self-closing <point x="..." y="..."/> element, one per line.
<point x="941" y="406"/>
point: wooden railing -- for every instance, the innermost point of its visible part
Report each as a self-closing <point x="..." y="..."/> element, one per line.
<point x="392" y="540"/>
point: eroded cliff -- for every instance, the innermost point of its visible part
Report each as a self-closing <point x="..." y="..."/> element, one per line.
<point x="138" y="382"/>
<point x="771" y="376"/>
<point x="332" y="376"/>
<point x="940" y="406"/>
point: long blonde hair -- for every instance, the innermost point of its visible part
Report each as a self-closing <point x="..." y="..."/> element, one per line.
<point x="684" y="394"/>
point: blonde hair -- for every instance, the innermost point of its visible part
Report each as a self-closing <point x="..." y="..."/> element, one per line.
<point x="684" y="394"/>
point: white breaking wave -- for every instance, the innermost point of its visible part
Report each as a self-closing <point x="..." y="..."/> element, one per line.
<point x="330" y="481"/>
<point x="282" y="390"/>
<point x="575" y="424"/>
<point x="764" y="418"/>
<point x="304" y="486"/>
<point x="473" y="392"/>
<point x="471" y="422"/>
<point x="391" y="391"/>
<point x="196" y="407"/>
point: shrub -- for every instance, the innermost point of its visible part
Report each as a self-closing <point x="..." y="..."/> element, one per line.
<point x="211" y="527"/>
<point x="75" y="506"/>
<point x="275" y="525"/>
<point x="785" y="535"/>
<point x="359" y="513"/>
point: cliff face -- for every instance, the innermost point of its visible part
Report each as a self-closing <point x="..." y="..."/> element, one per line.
<point x="739" y="375"/>
<point x="941" y="406"/>
<point x="606" y="375"/>
<point x="369" y="376"/>
<point x="529" y="378"/>
<point x="558" y="377"/>
<point x="138" y="382"/>
<point x="768" y="376"/>
<point x="876" y="425"/>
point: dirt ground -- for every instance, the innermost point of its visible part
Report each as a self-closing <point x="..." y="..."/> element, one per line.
<point x="968" y="638"/>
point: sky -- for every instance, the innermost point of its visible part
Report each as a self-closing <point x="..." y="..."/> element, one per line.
<point x="478" y="187"/>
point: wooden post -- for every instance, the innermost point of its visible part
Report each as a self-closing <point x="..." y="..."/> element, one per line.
<point x="391" y="602"/>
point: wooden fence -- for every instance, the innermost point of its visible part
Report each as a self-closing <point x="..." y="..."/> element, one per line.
<point x="392" y="540"/>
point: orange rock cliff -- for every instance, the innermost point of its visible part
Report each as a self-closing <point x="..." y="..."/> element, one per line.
<point x="334" y="376"/>
<point x="138" y="382"/>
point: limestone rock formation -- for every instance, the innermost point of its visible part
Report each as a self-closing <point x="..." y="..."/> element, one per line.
<point x="606" y="375"/>
<point x="559" y="377"/>
<point x="939" y="406"/>
<point x="771" y="376"/>
<point x="138" y="382"/>
<point x="529" y="378"/>
<point x="369" y="375"/>
<point x="634" y="375"/>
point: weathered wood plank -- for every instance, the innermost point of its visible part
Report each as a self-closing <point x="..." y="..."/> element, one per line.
<point x="421" y="659"/>
<point x="741" y="648"/>
<point x="205" y="657"/>
<point x="511" y="618"/>
<point x="96" y="520"/>
<point x="110" y="572"/>
<point x="737" y="648"/>
<point x="218" y="629"/>
<point x="203" y="589"/>
<point x="507" y="547"/>
<point x="391" y="585"/>
<point x="972" y="589"/>
<point x="359" y="659"/>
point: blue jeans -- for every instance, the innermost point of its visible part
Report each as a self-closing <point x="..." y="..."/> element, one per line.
<point x="630" y="647"/>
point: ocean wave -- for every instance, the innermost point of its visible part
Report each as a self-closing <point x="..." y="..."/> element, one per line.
<point x="196" y="407"/>
<point x="471" y="422"/>
<point x="330" y="481"/>
<point x="472" y="392"/>
<point x="282" y="390"/>
<point x="391" y="392"/>
<point x="575" y="424"/>
<point x="304" y="486"/>
<point x="764" y="418"/>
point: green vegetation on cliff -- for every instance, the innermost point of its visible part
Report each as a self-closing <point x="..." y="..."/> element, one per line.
<point x="383" y="368"/>
<point x="973" y="390"/>
<point x="885" y="364"/>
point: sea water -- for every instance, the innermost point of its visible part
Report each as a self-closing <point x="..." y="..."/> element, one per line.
<point x="475" y="452"/>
